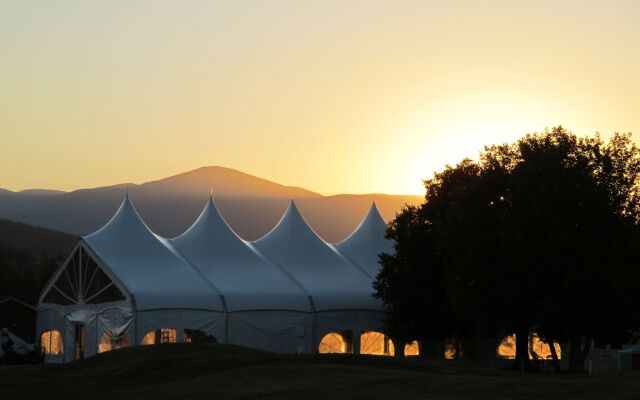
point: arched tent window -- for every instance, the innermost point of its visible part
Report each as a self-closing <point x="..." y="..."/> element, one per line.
<point x="507" y="348"/>
<point x="160" y="336"/>
<point x="412" y="349"/>
<point x="51" y="342"/>
<point x="336" y="342"/>
<point x="537" y="348"/>
<point x="81" y="281"/>
<point x="109" y="342"/>
<point x="376" y="343"/>
<point x="196" y="336"/>
<point x="450" y="351"/>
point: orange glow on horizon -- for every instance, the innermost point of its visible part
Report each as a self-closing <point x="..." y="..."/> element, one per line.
<point x="348" y="97"/>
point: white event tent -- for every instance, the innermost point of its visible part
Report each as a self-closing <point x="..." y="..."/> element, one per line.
<point x="124" y="285"/>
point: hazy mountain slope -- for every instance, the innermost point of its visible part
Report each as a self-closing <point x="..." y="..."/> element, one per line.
<point x="336" y="217"/>
<point x="251" y="205"/>
<point x="225" y="182"/>
<point x="14" y="203"/>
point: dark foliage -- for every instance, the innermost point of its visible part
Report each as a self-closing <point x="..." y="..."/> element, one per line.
<point x="537" y="236"/>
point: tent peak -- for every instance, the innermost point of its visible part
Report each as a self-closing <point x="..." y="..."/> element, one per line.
<point x="125" y="215"/>
<point x="292" y="222"/>
<point x="374" y="213"/>
<point x="367" y="241"/>
<point x="371" y="225"/>
<point x="210" y="222"/>
<point x="374" y="209"/>
<point x="294" y="211"/>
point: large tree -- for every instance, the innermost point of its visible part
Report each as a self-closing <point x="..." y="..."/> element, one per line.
<point x="536" y="235"/>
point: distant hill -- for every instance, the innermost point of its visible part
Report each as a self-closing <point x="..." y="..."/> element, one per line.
<point x="251" y="205"/>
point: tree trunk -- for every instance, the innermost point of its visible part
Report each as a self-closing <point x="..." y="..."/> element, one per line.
<point x="460" y="349"/>
<point x="432" y="349"/>
<point x="522" y="361"/>
<point x="554" y="356"/>
<point x="472" y="348"/>
<point x="579" y="353"/>
<point x="576" y="343"/>
<point x="584" y="353"/>
<point x="398" y="348"/>
<point x="481" y="348"/>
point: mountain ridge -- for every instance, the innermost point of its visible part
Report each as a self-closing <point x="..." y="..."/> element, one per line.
<point x="252" y="205"/>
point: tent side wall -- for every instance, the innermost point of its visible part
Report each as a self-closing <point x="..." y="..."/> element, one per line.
<point x="48" y="320"/>
<point x="206" y="321"/>
<point x="280" y="331"/>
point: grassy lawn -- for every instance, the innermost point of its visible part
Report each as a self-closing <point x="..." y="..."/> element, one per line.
<point x="226" y="372"/>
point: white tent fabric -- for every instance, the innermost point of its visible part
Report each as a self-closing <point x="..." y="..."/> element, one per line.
<point x="272" y="330"/>
<point x="333" y="282"/>
<point x="266" y="309"/>
<point x="364" y="245"/>
<point x="154" y="273"/>
<point x="244" y="278"/>
<point x="211" y="323"/>
<point x="282" y="292"/>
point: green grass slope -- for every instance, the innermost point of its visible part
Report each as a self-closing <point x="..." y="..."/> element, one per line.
<point x="186" y="372"/>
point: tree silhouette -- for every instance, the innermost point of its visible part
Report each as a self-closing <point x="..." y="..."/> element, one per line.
<point x="538" y="235"/>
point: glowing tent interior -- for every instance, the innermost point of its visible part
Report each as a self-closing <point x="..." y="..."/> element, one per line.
<point x="286" y="292"/>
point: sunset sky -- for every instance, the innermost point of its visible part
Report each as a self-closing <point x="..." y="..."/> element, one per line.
<point x="334" y="96"/>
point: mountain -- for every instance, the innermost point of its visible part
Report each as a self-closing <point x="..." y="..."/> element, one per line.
<point x="251" y="205"/>
<point x="13" y="203"/>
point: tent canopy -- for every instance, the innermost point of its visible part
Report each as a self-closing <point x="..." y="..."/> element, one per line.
<point x="365" y="244"/>
<point x="151" y="269"/>
<point x="246" y="280"/>
<point x="333" y="282"/>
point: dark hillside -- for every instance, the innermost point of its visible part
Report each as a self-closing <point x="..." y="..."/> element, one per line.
<point x="36" y="240"/>
<point x="28" y="257"/>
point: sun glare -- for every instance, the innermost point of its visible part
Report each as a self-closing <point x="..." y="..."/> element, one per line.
<point x="461" y="126"/>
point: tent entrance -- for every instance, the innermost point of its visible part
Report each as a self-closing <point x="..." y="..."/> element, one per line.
<point x="79" y="340"/>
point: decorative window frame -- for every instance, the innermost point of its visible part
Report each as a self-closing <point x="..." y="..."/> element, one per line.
<point x="82" y="245"/>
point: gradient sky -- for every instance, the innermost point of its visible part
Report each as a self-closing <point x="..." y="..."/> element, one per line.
<point x="334" y="96"/>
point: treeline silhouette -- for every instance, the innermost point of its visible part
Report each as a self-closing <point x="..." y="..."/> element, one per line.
<point x="28" y="257"/>
<point x="538" y="236"/>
